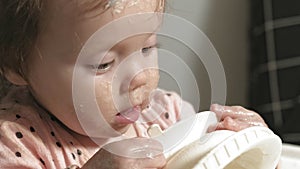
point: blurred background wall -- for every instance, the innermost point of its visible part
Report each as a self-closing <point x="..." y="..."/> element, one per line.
<point x="226" y="24"/>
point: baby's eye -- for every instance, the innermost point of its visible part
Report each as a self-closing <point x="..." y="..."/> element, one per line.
<point x="149" y="49"/>
<point x="102" y="68"/>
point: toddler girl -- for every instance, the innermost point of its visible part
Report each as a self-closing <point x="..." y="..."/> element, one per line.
<point x="39" y="124"/>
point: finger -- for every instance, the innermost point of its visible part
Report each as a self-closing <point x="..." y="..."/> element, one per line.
<point x="159" y="103"/>
<point x="159" y="96"/>
<point x="163" y="105"/>
<point x="233" y="111"/>
<point x="239" y="113"/>
<point x="253" y="120"/>
<point x="223" y="125"/>
<point x="237" y="125"/>
<point x="152" y="113"/>
<point x="231" y="124"/>
<point x="175" y="107"/>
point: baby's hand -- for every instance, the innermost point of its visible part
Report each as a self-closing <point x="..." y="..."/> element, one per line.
<point x="163" y="109"/>
<point x="236" y="118"/>
<point x="135" y="153"/>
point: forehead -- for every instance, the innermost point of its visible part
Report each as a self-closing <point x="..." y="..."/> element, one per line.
<point x="75" y="12"/>
<point x="99" y="6"/>
<point x="60" y="13"/>
<point x="68" y="24"/>
<point x="119" y="5"/>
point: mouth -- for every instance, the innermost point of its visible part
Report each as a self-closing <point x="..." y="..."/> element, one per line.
<point x="128" y="116"/>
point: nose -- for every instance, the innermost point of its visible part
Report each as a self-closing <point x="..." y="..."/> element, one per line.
<point x="139" y="80"/>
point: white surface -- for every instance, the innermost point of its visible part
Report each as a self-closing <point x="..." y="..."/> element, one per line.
<point x="252" y="148"/>
<point x="189" y="156"/>
<point x="185" y="132"/>
<point x="290" y="157"/>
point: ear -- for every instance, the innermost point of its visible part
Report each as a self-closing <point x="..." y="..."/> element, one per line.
<point x="15" y="78"/>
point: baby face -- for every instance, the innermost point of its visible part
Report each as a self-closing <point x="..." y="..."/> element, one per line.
<point x="65" y="28"/>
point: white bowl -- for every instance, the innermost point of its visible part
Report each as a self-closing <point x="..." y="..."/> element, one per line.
<point x="252" y="148"/>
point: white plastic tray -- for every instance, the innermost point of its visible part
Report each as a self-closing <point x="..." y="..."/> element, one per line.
<point x="290" y="157"/>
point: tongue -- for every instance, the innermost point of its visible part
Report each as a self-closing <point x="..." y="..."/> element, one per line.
<point x="131" y="114"/>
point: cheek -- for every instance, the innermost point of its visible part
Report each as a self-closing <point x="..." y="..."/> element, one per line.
<point x="153" y="77"/>
<point x="104" y="97"/>
<point x="52" y="88"/>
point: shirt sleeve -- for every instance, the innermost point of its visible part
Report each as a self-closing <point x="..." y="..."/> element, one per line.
<point x="21" y="149"/>
<point x="32" y="138"/>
